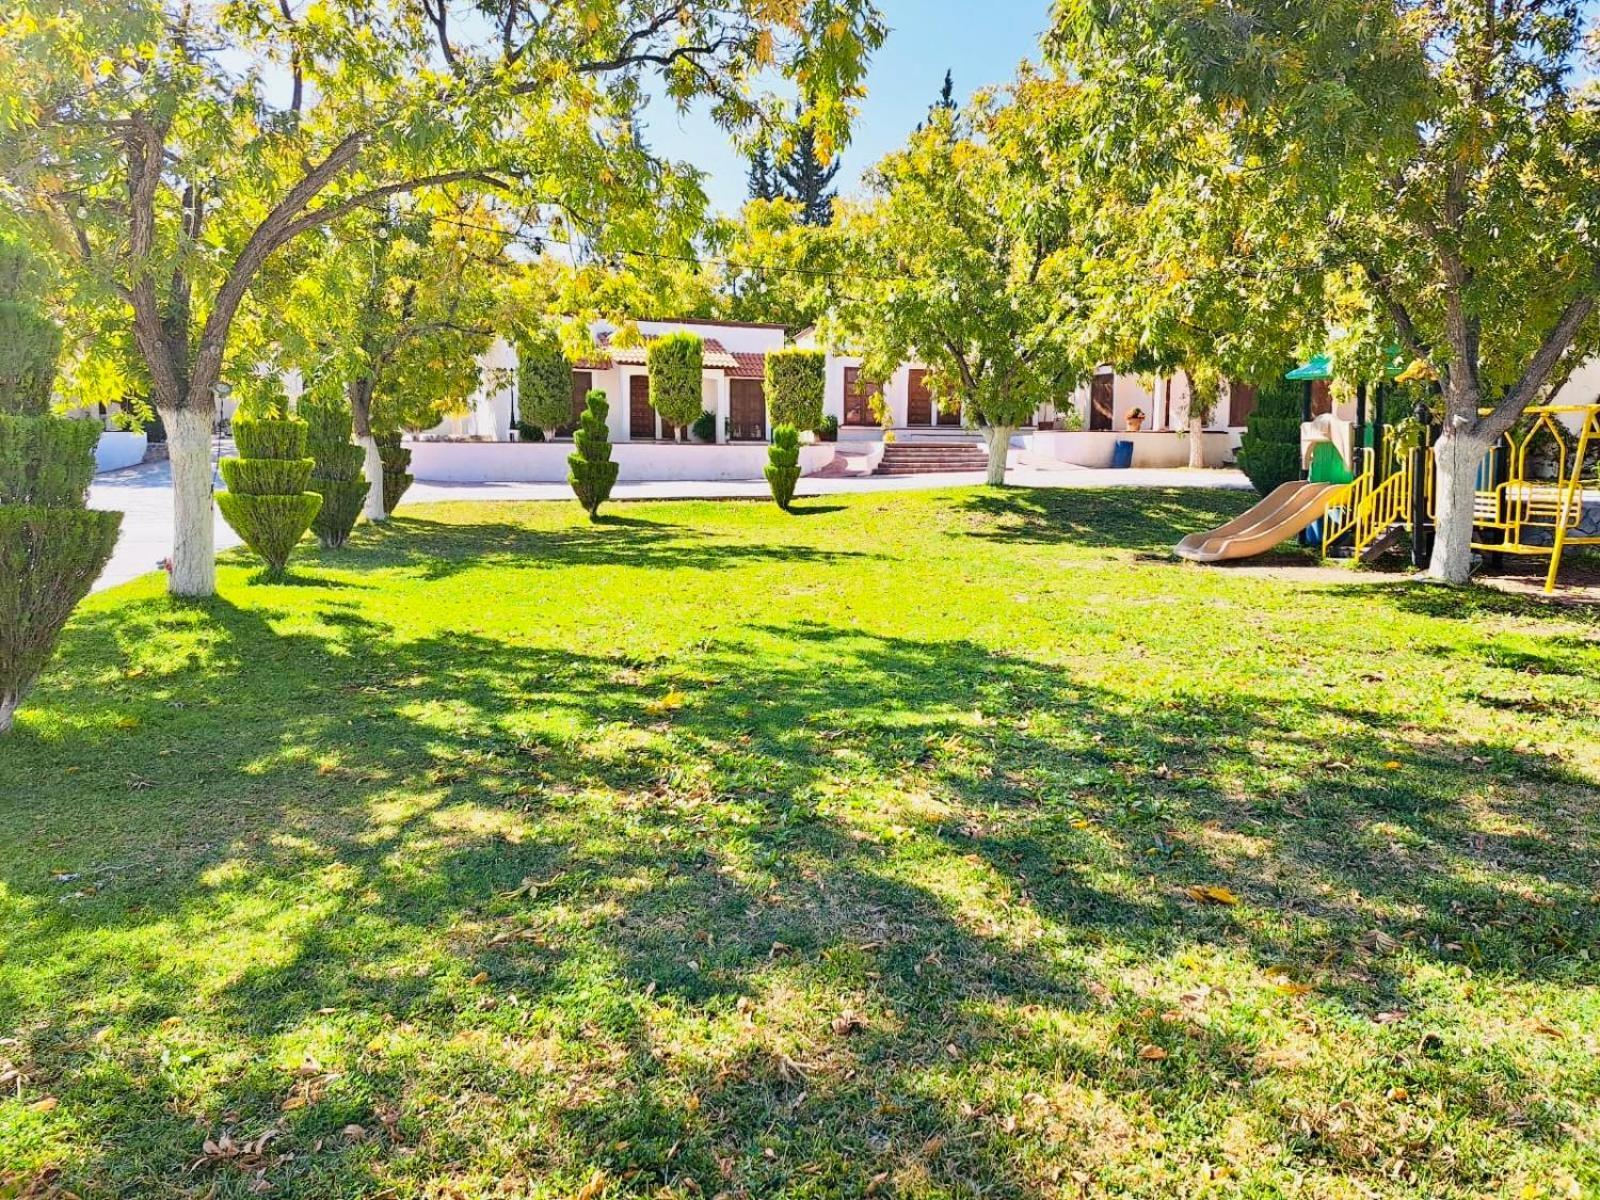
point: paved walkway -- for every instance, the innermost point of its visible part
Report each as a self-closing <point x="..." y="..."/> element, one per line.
<point x="144" y="495"/>
<point x="424" y="492"/>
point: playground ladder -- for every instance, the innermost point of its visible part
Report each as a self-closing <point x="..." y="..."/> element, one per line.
<point x="1373" y="507"/>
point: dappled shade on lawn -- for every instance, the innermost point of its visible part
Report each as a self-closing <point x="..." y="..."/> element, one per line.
<point x="912" y="849"/>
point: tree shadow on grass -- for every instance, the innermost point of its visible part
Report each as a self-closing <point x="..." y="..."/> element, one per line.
<point x="438" y="549"/>
<point x="1147" y="520"/>
<point x="810" y="908"/>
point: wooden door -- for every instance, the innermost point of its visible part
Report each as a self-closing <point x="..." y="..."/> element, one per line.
<point x="747" y="410"/>
<point x="1241" y="403"/>
<point x="641" y="417"/>
<point x="857" y="398"/>
<point x="582" y="382"/>
<point x="1100" y="402"/>
<point x="1321" y="398"/>
<point x="919" y="400"/>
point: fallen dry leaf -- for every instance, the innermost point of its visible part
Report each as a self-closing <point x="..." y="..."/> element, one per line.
<point x="1152" y="1053"/>
<point x="596" y="1185"/>
<point x="1205" y="893"/>
<point x="48" y="1104"/>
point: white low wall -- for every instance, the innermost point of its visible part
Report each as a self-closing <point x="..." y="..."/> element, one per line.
<point x="1085" y="449"/>
<point x="115" y="450"/>
<point x="546" y="462"/>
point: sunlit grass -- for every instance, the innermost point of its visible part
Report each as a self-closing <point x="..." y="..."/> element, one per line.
<point x="712" y="851"/>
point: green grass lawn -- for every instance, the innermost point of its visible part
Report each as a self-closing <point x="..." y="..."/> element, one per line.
<point x="710" y="851"/>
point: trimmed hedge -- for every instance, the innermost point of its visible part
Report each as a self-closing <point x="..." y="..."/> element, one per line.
<point x="783" y="464"/>
<point x="49" y="559"/>
<point x="1269" y="449"/>
<point x="590" y="471"/>
<point x="795" y="382"/>
<point x="46" y="461"/>
<point x="28" y="366"/>
<point x="337" y="476"/>
<point x="51" y="548"/>
<point x="676" y="361"/>
<point x="396" y="475"/>
<point x="266" y="476"/>
<point x="266" y="502"/>
<point x="269" y="437"/>
<point x="544" y="382"/>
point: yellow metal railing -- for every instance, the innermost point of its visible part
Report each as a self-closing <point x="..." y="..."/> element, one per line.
<point x="1380" y="497"/>
<point x="1515" y="504"/>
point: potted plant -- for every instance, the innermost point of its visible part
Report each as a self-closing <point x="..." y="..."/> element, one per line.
<point x="1135" y="420"/>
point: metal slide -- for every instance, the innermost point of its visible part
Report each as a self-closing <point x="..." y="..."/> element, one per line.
<point x="1286" y="512"/>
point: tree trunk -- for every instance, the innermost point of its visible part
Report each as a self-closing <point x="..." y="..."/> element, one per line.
<point x="999" y="439"/>
<point x="373" y="508"/>
<point x="1456" y="459"/>
<point x="8" y="709"/>
<point x="361" y="418"/>
<point x="194" y="562"/>
<point x="1197" y="442"/>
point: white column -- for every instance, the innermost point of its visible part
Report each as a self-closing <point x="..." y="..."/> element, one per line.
<point x="724" y="391"/>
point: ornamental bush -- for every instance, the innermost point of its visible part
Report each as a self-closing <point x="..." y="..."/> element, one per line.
<point x="267" y="503"/>
<point x="676" y="361"/>
<point x="590" y="470"/>
<point x="1269" y="449"/>
<point x="396" y="463"/>
<point x="544" y="382"/>
<point x="51" y="547"/>
<point x="337" y="476"/>
<point x="783" y="464"/>
<point x="795" y="381"/>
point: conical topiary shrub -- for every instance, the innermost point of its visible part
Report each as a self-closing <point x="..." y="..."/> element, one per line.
<point x="783" y="464"/>
<point x="396" y="461"/>
<point x="267" y="503"/>
<point x="51" y="547"/>
<point x="337" y="476"/>
<point x="590" y="470"/>
<point x="1269" y="449"/>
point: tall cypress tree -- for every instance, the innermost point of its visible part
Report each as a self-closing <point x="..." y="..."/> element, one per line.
<point x="805" y="176"/>
<point x="946" y="101"/>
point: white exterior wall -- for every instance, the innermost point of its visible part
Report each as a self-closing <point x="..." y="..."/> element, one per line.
<point x="488" y="415"/>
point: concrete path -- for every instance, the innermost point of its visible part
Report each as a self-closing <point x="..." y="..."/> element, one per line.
<point x="144" y="495"/>
<point x="424" y="492"/>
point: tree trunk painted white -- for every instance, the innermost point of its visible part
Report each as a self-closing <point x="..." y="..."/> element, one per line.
<point x="1456" y="458"/>
<point x="8" y="709"/>
<point x="1197" y="441"/>
<point x="373" y="508"/>
<point x="998" y="438"/>
<point x="194" y="560"/>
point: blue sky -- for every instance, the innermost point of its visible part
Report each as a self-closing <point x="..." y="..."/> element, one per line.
<point x="980" y="40"/>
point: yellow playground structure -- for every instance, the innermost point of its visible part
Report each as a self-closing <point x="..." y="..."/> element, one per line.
<point x="1538" y="493"/>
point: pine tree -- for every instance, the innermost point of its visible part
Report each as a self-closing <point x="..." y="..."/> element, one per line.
<point x="804" y="178"/>
<point x="762" y="181"/>
<point x="946" y="101"/>
<point x="51" y="548"/>
<point x="590" y="470"/>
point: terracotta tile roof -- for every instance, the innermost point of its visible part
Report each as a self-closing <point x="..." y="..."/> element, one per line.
<point x="715" y="355"/>
<point x="751" y="366"/>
